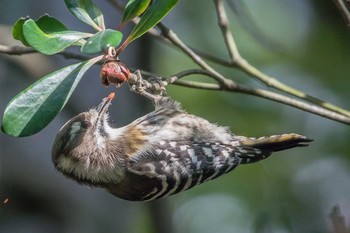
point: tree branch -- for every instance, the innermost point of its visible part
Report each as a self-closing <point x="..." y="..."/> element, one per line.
<point x="317" y="110"/>
<point x="239" y="62"/>
<point x="21" y="50"/>
<point x="16" y="50"/>
<point x="238" y="88"/>
<point x="344" y="8"/>
<point x="223" y="24"/>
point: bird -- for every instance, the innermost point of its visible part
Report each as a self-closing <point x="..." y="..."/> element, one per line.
<point x="162" y="153"/>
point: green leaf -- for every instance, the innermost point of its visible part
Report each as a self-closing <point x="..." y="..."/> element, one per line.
<point x="50" y="43"/>
<point x="87" y="12"/>
<point x="46" y="23"/>
<point x="134" y="8"/>
<point x="50" y="24"/>
<point x="35" y="107"/>
<point x="17" y="31"/>
<point x="101" y="41"/>
<point x="154" y="14"/>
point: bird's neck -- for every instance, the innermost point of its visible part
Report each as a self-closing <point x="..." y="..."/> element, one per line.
<point x="113" y="133"/>
<point x="127" y="141"/>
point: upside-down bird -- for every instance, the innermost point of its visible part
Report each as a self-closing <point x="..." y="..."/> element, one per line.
<point x="160" y="154"/>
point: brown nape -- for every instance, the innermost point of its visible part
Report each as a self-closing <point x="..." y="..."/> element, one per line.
<point x="133" y="140"/>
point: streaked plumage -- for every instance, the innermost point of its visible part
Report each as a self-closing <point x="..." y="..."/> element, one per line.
<point x="162" y="153"/>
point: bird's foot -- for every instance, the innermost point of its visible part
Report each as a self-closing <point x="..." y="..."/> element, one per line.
<point x="153" y="88"/>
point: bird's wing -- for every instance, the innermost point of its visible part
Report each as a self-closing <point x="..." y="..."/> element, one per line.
<point x="180" y="165"/>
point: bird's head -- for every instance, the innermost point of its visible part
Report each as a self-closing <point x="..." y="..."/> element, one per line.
<point x="80" y="143"/>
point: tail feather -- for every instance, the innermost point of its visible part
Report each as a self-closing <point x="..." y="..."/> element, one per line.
<point x="268" y="145"/>
<point x="278" y="142"/>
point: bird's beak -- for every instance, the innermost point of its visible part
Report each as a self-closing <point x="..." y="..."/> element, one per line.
<point x="103" y="106"/>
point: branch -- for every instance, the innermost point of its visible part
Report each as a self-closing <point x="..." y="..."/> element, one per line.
<point x="21" y="50"/>
<point x="175" y="77"/>
<point x="223" y="24"/>
<point x="16" y="50"/>
<point x="317" y="110"/>
<point x="230" y="86"/>
<point x="344" y="8"/>
<point x="274" y="83"/>
<point x="239" y="62"/>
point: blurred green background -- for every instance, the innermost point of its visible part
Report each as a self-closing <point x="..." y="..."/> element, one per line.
<point x="304" y="43"/>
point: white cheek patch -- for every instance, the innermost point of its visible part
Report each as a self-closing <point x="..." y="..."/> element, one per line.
<point x="74" y="129"/>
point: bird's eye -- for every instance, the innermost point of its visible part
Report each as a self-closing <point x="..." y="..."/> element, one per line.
<point x="86" y="124"/>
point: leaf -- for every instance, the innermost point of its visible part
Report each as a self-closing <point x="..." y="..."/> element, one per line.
<point x="46" y="23"/>
<point x="87" y="12"/>
<point x="50" y="43"/>
<point x="17" y="31"/>
<point x="50" y="24"/>
<point x="35" y="107"/>
<point x="134" y="8"/>
<point x="101" y="41"/>
<point x="154" y="14"/>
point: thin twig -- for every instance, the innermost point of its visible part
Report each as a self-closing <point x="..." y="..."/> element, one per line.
<point x="175" y="77"/>
<point x="21" y="50"/>
<point x="274" y="83"/>
<point x="16" y="50"/>
<point x="343" y="7"/>
<point x="223" y="24"/>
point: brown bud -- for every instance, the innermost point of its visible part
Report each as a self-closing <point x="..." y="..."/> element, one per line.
<point x="114" y="72"/>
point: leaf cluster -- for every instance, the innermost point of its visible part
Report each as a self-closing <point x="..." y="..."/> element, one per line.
<point x="35" y="107"/>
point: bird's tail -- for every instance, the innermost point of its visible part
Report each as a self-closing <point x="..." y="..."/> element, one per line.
<point x="265" y="146"/>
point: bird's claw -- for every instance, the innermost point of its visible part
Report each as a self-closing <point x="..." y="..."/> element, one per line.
<point x="153" y="88"/>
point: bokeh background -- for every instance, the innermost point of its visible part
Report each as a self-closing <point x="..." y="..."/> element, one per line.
<point x="304" y="43"/>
